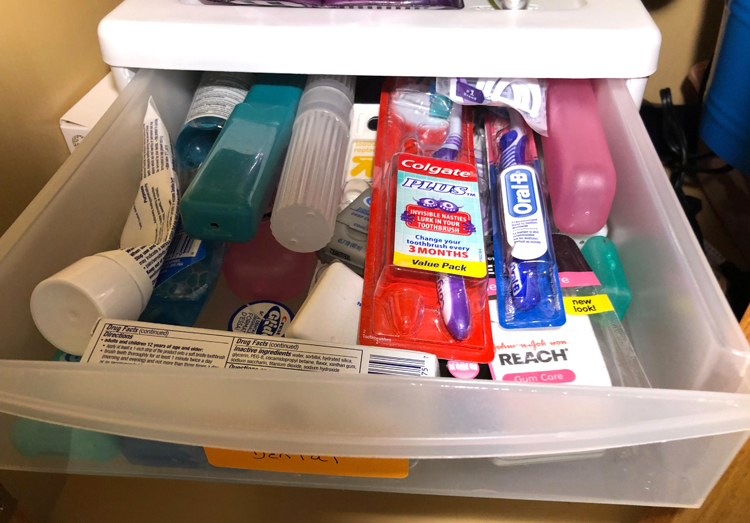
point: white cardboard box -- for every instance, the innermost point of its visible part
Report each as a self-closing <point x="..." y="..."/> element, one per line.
<point x="81" y="118"/>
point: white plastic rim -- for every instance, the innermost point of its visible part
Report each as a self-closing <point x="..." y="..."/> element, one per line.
<point x="683" y="330"/>
<point x="561" y="39"/>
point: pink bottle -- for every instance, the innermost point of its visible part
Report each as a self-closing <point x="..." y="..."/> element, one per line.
<point x="580" y="173"/>
<point x="262" y="270"/>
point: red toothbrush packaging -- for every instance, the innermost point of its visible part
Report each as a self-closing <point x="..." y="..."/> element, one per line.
<point x="426" y="278"/>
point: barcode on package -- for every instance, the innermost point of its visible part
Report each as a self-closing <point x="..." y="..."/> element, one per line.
<point x="183" y="246"/>
<point x="399" y="366"/>
<point x="117" y="342"/>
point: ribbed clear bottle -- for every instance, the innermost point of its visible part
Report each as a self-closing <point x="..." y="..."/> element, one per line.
<point x="309" y="193"/>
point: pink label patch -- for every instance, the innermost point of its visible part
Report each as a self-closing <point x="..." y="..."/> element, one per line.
<point x="491" y="287"/>
<point x="464" y="370"/>
<point x="578" y="279"/>
<point x="544" y="376"/>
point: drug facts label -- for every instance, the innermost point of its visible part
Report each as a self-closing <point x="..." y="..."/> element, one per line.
<point x="438" y="221"/>
<point x="137" y="343"/>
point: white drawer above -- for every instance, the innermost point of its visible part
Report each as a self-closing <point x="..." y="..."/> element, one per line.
<point x="552" y="39"/>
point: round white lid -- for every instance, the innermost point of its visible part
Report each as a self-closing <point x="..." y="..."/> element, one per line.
<point x="66" y="306"/>
<point x="301" y="228"/>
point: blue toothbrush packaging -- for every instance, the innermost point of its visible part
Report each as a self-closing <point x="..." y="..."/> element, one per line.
<point x="528" y="287"/>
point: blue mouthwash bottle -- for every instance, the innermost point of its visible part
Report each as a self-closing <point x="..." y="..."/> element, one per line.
<point x="188" y="277"/>
<point x="214" y="100"/>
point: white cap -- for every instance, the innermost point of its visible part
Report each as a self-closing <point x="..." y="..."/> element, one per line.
<point x="345" y="84"/>
<point x="352" y="190"/>
<point x="301" y="228"/>
<point x="66" y="306"/>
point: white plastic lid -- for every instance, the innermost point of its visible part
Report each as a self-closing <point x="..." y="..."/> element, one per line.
<point x="301" y="228"/>
<point x="66" y="306"/>
<point x="345" y="84"/>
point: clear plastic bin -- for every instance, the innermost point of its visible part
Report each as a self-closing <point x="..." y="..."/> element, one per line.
<point x="661" y="446"/>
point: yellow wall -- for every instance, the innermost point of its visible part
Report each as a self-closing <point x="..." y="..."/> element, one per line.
<point x="49" y="58"/>
<point x="689" y="29"/>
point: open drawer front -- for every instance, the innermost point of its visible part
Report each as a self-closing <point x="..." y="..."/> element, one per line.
<point x="661" y="446"/>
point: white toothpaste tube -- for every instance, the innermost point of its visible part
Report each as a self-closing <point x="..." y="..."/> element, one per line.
<point x="116" y="284"/>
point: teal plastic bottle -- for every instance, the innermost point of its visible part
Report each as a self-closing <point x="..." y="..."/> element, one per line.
<point x="233" y="187"/>
<point x="601" y="254"/>
<point x="33" y="439"/>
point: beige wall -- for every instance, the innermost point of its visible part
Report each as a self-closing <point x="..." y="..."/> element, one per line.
<point x="49" y="58"/>
<point x="689" y="29"/>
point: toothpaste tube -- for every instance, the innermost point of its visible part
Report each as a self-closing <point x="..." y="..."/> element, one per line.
<point x="116" y="284"/>
<point x="528" y="287"/>
<point x="528" y="96"/>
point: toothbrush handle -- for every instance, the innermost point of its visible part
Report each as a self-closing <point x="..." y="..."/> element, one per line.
<point x="454" y="305"/>
<point x="524" y="287"/>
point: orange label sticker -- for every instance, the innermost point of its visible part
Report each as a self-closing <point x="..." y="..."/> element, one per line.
<point x="303" y="464"/>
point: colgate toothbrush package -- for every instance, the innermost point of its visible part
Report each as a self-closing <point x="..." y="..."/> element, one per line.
<point x="426" y="271"/>
<point x="528" y="287"/>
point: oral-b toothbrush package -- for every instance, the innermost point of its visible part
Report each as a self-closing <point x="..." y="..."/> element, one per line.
<point x="426" y="273"/>
<point x="528" y="96"/>
<point x="528" y="288"/>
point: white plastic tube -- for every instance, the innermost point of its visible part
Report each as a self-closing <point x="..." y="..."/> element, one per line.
<point x="309" y="193"/>
<point x="116" y="284"/>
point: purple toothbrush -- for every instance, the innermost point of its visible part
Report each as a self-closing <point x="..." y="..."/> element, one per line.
<point x="454" y="304"/>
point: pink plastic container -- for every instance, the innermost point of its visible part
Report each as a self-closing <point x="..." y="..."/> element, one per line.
<point x="262" y="269"/>
<point x="580" y="174"/>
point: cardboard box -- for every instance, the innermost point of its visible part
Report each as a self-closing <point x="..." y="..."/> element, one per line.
<point x="81" y="118"/>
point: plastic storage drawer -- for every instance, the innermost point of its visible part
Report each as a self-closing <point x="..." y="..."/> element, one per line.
<point x="661" y="446"/>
